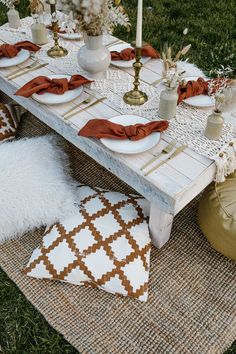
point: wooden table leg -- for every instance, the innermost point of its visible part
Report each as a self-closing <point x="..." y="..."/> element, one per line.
<point x="160" y="224"/>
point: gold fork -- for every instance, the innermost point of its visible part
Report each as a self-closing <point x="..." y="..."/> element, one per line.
<point x="32" y="65"/>
<point x="25" y="71"/>
<point x="86" y="101"/>
<point x="166" y="150"/>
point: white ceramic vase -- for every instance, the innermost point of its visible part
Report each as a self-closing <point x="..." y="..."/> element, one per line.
<point x="168" y="103"/>
<point x="38" y="31"/>
<point x="93" y="57"/>
<point x="13" y="18"/>
<point x="214" y="127"/>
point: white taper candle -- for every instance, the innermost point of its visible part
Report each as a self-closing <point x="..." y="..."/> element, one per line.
<point x="139" y="24"/>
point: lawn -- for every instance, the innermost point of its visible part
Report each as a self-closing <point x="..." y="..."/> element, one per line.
<point x="212" y="33"/>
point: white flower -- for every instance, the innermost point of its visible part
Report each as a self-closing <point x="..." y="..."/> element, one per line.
<point x="185" y="31"/>
<point x="95" y="16"/>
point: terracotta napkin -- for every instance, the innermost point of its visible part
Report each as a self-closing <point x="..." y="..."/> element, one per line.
<point x="11" y="50"/>
<point x="129" y="53"/>
<point x="58" y="29"/>
<point x="42" y="84"/>
<point x="102" y="128"/>
<point x="199" y="87"/>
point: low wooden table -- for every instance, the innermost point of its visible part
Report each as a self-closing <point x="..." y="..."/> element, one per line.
<point x="169" y="189"/>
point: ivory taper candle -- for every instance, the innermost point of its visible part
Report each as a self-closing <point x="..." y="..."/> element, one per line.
<point x="139" y="24"/>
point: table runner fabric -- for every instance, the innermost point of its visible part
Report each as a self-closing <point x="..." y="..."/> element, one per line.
<point x="192" y="300"/>
<point x="188" y="126"/>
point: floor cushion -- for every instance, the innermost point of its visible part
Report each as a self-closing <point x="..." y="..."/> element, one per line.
<point x="10" y="115"/>
<point x="36" y="189"/>
<point x="106" y="245"/>
<point x="217" y="216"/>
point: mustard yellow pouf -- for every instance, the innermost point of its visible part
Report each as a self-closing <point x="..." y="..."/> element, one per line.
<point x="217" y="216"/>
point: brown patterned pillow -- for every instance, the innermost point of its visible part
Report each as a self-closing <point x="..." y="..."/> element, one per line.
<point x="106" y="245"/>
<point x="9" y="122"/>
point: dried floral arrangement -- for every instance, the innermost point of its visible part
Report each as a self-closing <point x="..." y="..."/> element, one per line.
<point x="95" y="16"/>
<point x="36" y="6"/>
<point x="173" y="78"/>
<point x="169" y="58"/>
<point x="222" y="89"/>
<point x="9" y="3"/>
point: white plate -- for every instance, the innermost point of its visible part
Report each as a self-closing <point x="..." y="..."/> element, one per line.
<point x="70" y="36"/>
<point x="202" y="101"/>
<point x="22" y="56"/>
<point x="129" y="146"/>
<point x="51" y="98"/>
<point x="125" y="63"/>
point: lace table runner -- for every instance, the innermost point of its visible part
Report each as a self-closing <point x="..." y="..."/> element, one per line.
<point x="188" y="126"/>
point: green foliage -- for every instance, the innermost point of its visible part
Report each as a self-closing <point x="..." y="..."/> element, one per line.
<point x="212" y="33"/>
<point x="23" y="330"/>
<point x="211" y="24"/>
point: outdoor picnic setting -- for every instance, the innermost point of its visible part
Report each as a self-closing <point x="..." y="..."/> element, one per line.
<point x="118" y="177"/>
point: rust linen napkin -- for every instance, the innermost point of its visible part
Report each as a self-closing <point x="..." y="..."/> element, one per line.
<point x="129" y="53"/>
<point x="102" y="128"/>
<point x="192" y="88"/>
<point x="11" y="50"/>
<point x="42" y="84"/>
<point x="59" y="30"/>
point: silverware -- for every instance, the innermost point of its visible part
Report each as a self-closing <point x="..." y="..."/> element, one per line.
<point x="23" y="71"/>
<point x="167" y="149"/>
<point x="117" y="41"/>
<point x="16" y="31"/>
<point x="83" y="109"/>
<point x="86" y="101"/>
<point x="175" y="153"/>
<point x="32" y="65"/>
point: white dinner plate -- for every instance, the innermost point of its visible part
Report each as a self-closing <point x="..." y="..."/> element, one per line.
<point x="22" y="56"/>
<point x="129" y="146"/>
<point x="70" y="36"/>
<point x="124" y="63"/>
<point x="51" y="98"/>
<point x="201" y="101"/>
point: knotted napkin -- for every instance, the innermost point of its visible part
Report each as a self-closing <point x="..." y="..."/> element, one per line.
<point x="59" y="30"/>
<point x="42" y="84"/>
<point x="11" y="50"/>
<point x="102" y="128"/>
<point x="192" y="88"/>
<point x="129" y="53"/>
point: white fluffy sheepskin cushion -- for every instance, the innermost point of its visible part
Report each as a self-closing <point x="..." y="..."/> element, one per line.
<point x="36" y="189"/>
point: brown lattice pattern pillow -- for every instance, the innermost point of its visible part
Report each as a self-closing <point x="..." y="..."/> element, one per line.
<point x="9" y="121"/>
<point x="106" y="245"/>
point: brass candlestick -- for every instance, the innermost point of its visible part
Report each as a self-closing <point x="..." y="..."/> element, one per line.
<point x="136" y="97"/>
<point x="56" y="51"/>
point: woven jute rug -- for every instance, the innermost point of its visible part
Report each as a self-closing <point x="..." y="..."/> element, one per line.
<point x="192" y="292"/>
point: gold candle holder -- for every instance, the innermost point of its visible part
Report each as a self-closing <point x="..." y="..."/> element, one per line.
<point x="56" y="51"/>
<point x="136" y="97"/>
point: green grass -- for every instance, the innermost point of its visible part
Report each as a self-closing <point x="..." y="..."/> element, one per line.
<point x="212" y="33"/>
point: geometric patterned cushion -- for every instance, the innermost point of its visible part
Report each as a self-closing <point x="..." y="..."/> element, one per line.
<point x="105" y="245"/>
<point x="9" y="121"/>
